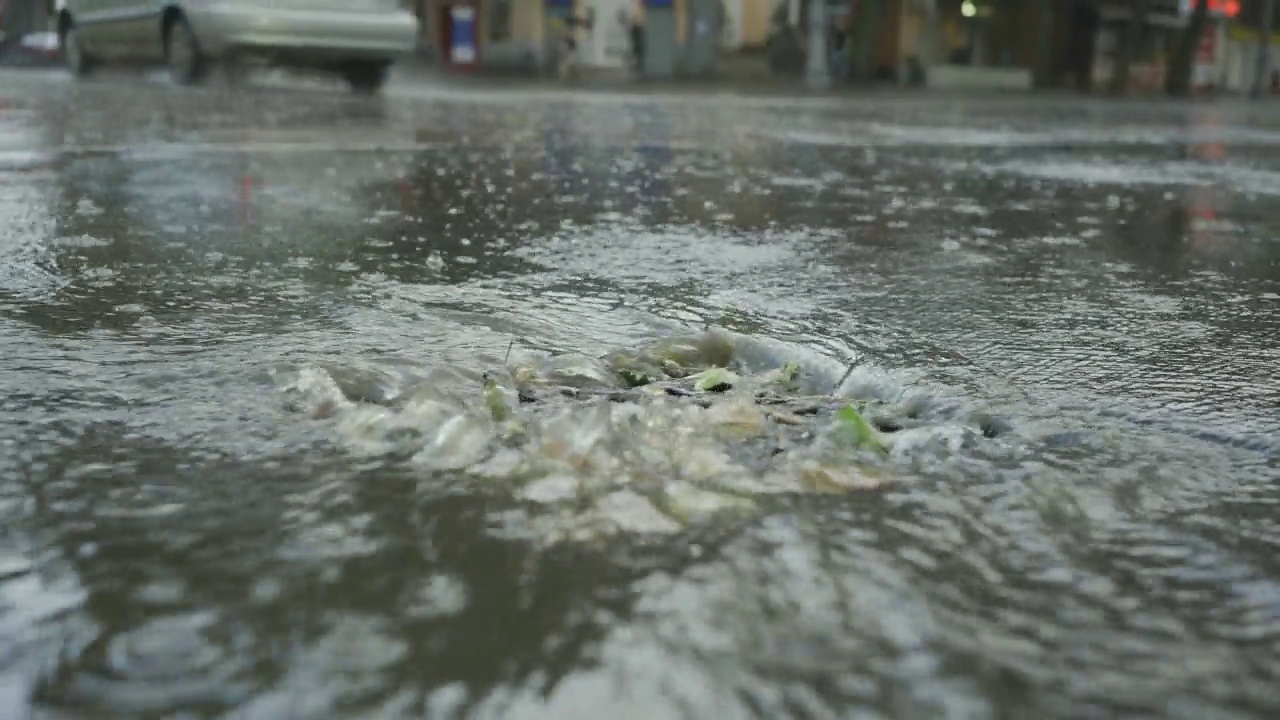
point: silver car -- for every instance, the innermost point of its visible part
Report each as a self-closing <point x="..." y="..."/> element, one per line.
<point x="359" y="39"/>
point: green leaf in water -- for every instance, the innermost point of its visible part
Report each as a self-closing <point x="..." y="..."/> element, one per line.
<point x="784" y="377"/>
<point x="716" y="379"/>
<point x="635" y="378"/>
<point x="790" y="371"/>
<point x="495" y="400"/>
<point x="856" y="428"/>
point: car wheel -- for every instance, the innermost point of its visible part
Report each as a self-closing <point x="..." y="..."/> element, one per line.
<point x="366" y="78"/>
<point x="186" y="61"/>
<point x="73" y="53"/>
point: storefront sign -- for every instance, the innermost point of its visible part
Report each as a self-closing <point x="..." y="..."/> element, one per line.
<point x="1218" y="8"/>
<point x="463" y="51"/>
<point x="1243" y="33"/>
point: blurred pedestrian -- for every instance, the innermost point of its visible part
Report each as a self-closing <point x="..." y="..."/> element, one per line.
<point x="568" y="60"/>
<point x="838" y="47"/>
<point x="635" y="28"/>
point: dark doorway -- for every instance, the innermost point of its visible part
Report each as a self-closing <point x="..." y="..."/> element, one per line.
<point x="446" y="34"/>
<point x="1081" y="39"/>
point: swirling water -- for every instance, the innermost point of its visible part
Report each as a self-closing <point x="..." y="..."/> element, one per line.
<point x="1100" y="279"/>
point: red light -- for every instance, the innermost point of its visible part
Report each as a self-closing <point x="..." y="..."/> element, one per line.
<point x="1230" y="8"/>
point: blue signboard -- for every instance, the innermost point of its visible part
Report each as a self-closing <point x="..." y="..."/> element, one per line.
<point x="658" y="3"/>
<point x="464" y="34"/>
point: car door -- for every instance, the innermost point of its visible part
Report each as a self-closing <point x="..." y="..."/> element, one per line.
<point x="140" y="29"/>
<point x="93" y="32"/>
<point x="101" y="23"/>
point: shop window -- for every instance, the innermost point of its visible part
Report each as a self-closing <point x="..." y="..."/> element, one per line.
<point x="499" y="20"/>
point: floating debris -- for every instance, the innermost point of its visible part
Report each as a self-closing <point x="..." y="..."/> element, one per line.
<point x="678" y="432"/>
<point x="855" y="428"/>
<point x="495" y="399"/>
<point x="714" y="379"/>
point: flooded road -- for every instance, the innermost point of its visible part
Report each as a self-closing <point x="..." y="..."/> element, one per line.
<point x="250" y="466"/>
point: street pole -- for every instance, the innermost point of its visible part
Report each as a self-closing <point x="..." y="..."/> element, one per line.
<point x="817" y="74"/>
<point x="1264" y="49"/>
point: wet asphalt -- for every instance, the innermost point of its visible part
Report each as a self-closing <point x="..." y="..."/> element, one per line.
<point x="1099" y="279"/>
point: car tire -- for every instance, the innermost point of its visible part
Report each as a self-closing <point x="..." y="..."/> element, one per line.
<point x="366" y="78"/>
<point x="73" y="53"/>
<point x="187" y="63"/>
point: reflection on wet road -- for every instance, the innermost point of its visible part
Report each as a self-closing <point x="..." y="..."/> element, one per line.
<point x="1101" y="280"/>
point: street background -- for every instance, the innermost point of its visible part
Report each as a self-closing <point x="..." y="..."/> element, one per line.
<point x="247" y="469"/>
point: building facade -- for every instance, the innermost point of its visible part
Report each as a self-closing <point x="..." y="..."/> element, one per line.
<point x="959" y="43"/>
<point x="992" y="44"/>
<point x="523" y="35"/>
<point x="20" y="17"/>
<point x="1239" y="61"/>
<point x="1216" y="60"/>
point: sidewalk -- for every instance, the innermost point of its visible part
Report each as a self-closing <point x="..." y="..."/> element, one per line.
<point x="735" y="76"/>
<point x="414" y="77"/>
<point x="747" y="76"/>
<point x="423" y="81"/>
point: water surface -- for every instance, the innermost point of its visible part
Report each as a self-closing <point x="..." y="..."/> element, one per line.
<point x="1098" y="279"/>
